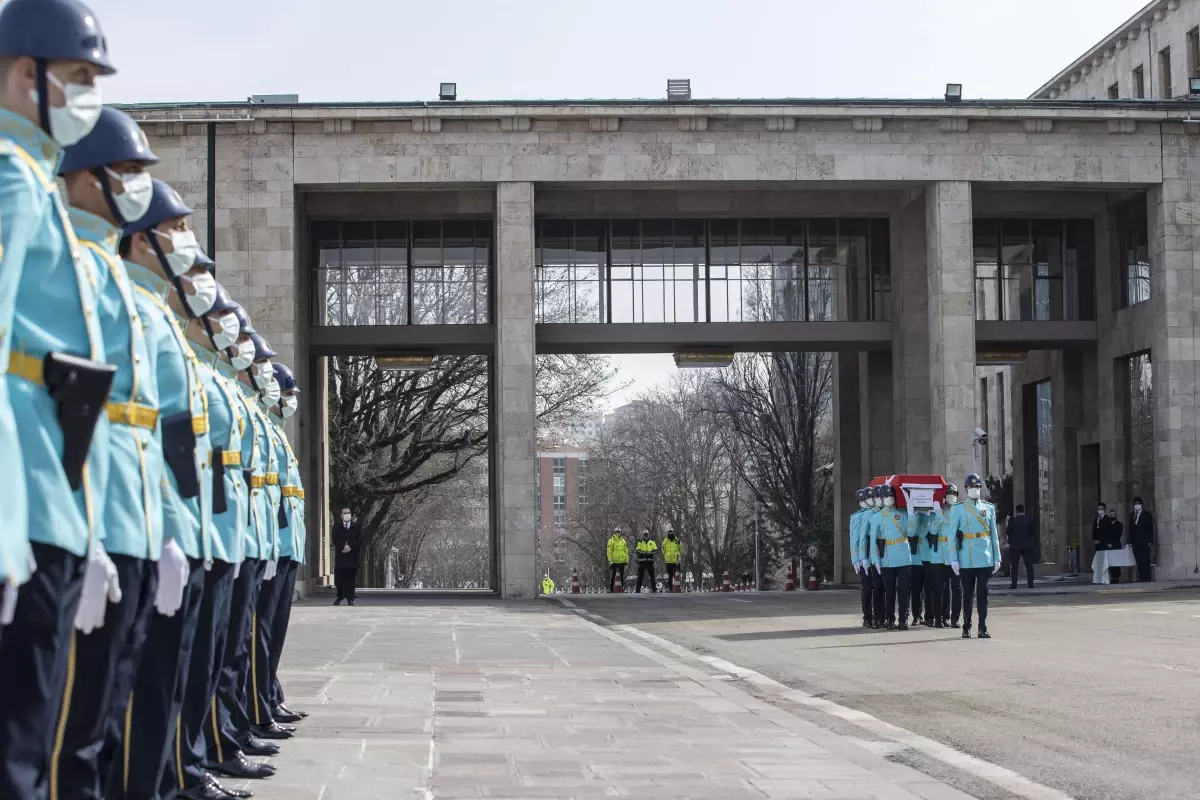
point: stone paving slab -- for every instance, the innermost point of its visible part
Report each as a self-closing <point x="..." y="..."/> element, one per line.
<point x="472" y="699"/>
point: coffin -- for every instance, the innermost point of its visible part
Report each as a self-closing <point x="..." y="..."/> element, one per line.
<point x="923" y="489"/>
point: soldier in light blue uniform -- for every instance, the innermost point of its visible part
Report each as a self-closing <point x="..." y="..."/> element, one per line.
<point x="51" y="52"/>
<point x="892" y="530"/>
<point x="108" y="186"/>
<point x="230" y="740"/>
<point x="934" y="534"/>
<point x="976" y="551"/>
<point x="292" y="539"/>
<point x="172" y="283"/>
<point x="209" y="335"/>
<point x="874" y="554"/>
<point x="859" y="553"/>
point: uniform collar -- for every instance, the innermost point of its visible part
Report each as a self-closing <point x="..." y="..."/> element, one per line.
<point x="148" y="279"/>
<point x="32" y="139"/>
<point x="93" y="228"/>
<point x="227" y="370"/>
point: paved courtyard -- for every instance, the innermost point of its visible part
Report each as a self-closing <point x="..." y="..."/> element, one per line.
<point x="418" y="698"/>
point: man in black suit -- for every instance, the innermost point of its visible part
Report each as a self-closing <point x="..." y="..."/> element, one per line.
<point x="346" y="538"/>
<point x="1141" y="536"/>
<point x="1020" y="545"/>
<point x="1113" y="532"/>
<point x="1100" y="528"/>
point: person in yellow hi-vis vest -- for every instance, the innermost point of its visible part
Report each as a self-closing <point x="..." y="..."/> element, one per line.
<point x="672" y="554"/>
<point x="646" y="549"/>
<point x="547" y="585"/>
<point x="618" y="557"/>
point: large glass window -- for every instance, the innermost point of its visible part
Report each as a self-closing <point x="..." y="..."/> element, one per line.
<point x="1133" y="250"/>
<point x="1031" y="269"/>
<point x="1047" y="513"/>
<point x="752" y="270"/>
<point x="1139" y="428"/>
<point x="401" y="273"/>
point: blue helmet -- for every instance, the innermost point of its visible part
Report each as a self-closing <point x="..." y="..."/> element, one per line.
<point x="287" y="381"/>
<point x="261" y="348"/>
<point x="952" y="489"/>
<point x="165" y="204"/>
<point x="53" y="30"/>
<point x="202" y="260"/>
<point x="223" y="303"/>
<point x="244" y="321"/>
<point x="115" y="137"/>
<point x="974" y="481"/>
<point x="862" y="495"/>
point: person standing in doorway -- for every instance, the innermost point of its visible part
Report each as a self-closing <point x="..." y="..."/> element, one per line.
<point x="1114" y="532"/>
<point x="1141" y="536"/>
<point x="1020" y="545"/>
<point x="646" y="549"/>
<point x="346" y="539"/>
<point x="1100" y="528"/>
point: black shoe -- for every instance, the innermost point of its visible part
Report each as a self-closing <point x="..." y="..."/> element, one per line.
<point x="272" y="731"/>
<point x="231" y="792"/>
<point x="983" y="634"/>
<point x="351" y="601"/>
<point x="903" y="626"/>
<point x="878" y="626"/>
<point x="205" y="791"/>
<point x="257" y="747"/>
<point x="891" y="626"/>
<point x="241" y="767"/>
<point x="966" y="634"/>
<point x="938" y="624"/>
<point x="337" y="602"/>
<point x="283" y="715"/>
<point x="301" y="714"/>
<point x="954" y="625"/>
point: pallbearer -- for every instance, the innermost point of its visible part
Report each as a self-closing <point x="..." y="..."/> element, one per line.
<point x="977" y="551"/>
<point x="893" y="527"/>
<point x="859" y="547"/>
<point x="51" y="52"/>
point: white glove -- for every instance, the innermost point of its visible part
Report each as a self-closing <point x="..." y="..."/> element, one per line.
<point x="8" y="603"/>
<point x="857" y="567"/>
<point x="954" y="566"/>
<point x="237" y="570"/>
<point x="172" y="578"/>
<point x="996" y="568"/>
<point x="866" y="566"/>
<point x="937" y="507"/>
<point x="101" y="585"/>
<point x="272" y="565"/>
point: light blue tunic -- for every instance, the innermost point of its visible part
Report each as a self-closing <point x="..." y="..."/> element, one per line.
<point x="976" y="520"/>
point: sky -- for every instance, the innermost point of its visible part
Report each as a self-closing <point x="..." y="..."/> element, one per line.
<point x="389" y="50"/>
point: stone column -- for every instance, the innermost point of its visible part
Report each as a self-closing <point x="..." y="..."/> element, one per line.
<point x="876" y="396"/>
<point x="848" y="467"/>
<point x="951" y="327"/>
<point x="910" y="343"/>
<point x="1174" y="224"/>
<point x="514" y="428"/>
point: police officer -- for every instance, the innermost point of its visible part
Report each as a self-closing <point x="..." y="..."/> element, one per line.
<point x="51" y="52"/>
<point x="976" y="551"/>
<point x="672" y="553"/>
<point x="618" y="558"/>
<point x="108" y="186"/>
<point x="292" y="547"/>
<point x="227" y="730"/>
<point x="185" y="770"/>
<point x="859" y="555"/>
<point x="891" y="531"/>
<point x="173" y="283"/>
<point x="646" y="549"/>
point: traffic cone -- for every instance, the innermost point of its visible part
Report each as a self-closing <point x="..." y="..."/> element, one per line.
<point x="725" y="587"/>
<point x="676" y="583"/>
<point x="617" y="587"/>
<point x="574" y="581"/>
<point x="790" y="584"/>
<point x="813" y="582"/>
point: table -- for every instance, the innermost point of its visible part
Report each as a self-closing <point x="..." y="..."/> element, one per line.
<point x="1111" y="558"/>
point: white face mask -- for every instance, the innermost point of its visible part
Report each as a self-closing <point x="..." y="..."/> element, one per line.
<point x="225" y="335"/>
<point x="244" y="357"/>
<point x="288" y="406"/>
<point x="139" y="190"/>
<point x="264" y="372"/>
<point x="185" y="248"/>
<point x="205" y="286"/>
<point x="863" y="504"/>
<point x="270" y="393"/>
<point x="951" y="499"/>
<point x="71" y="122"/>
<point x="1137" y="507"/>
<point x="876" y="502"/>
<point x="345" y="517"/>
<point x="973" y="493"/>
<point x="888" y="502"/>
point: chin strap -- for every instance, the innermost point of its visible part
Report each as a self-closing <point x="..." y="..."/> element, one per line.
<point x="43" y="91"/>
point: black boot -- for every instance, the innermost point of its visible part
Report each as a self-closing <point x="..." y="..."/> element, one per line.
<point x="891" y="626"/>
<point x="939" y="624"/>
<point x="983" y="634"/>
<point x="966" y="634"/>
<point x="868" y="624"/>
<point x="903" y="626"/>
<point x="337" y="602"/>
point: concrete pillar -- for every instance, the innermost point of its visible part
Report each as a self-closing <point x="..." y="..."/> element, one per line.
<point x="514" y="429"/>
<point x="910" y="342"/>
<point x="1174" y="225"/>
<point x="848" y="465"/>
<point x="951" y="328"/>
<point x="875" y="397"/>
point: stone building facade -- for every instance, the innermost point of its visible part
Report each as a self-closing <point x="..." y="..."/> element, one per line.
<point x="928" y="173"/>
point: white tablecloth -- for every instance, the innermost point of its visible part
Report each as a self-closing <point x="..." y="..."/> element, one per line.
<point x="1111" y="558"/>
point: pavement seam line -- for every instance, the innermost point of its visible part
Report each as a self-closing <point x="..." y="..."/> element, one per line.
<point x="995" y="774"/>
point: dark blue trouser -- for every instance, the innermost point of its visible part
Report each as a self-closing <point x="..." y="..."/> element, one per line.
<point x="867" y="590"/>
<point x="263" y="626"/>
<point x="185" y="762"/>
<point x="107" y="660"/>
<point x="279" y="627"/>
<point x="153" y="710"/>
<point x="232" y="724"/>
<point x="975" y="587"/>
<point x="36" y="657"/>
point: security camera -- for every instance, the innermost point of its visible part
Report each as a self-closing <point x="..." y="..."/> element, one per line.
<point x="980" y="433"/>
<point x="827" y="469"/>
